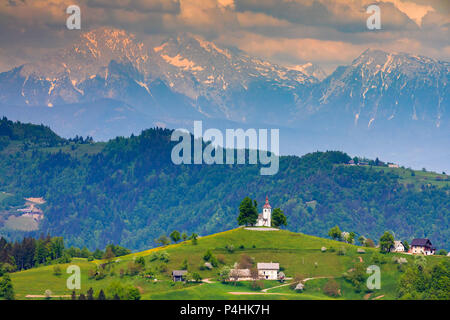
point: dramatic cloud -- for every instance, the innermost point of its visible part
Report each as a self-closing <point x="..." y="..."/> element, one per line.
<point x="287" y="31"/>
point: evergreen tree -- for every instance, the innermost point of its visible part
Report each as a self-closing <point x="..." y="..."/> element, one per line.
<point x="386" y="242"/>
<point x="101" y="295"/>
<point x="248" y="213"/>
<point x="175" y="236"/>
<point x="278" y="218"/>
<point x="90" y="294"/>
<point x="6" y="288"/>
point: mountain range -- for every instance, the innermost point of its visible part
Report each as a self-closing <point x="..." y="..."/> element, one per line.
<point x="108" y="83"/>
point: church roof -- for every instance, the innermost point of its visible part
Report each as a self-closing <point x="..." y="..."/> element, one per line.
<point x="267" y="205"/>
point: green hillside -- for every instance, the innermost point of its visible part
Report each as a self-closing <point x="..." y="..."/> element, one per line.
<point x="299" y="255"/>
<point x="129" y="192"/>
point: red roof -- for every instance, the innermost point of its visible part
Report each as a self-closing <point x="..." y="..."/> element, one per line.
<point x="267" y="205"/>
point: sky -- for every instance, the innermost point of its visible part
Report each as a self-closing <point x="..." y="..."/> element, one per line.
<point x="289" y="32"/>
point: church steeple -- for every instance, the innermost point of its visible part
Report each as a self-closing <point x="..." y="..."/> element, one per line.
<point x="267" y="205"/>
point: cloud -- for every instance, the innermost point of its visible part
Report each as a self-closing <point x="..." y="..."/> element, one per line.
<point x="328" y="32"/>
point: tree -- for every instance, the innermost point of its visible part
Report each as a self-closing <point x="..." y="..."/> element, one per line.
<point x="184" y="265"/>
<point x="362" y="240"/>
<point x="335" y="233"/>
<point x="109" y="254"/>
<point x="196" y="277"/>
<point x="248" y="213"/>
<point x="184" y="236"/>
<point x="208" y="255"/>
<point x="369" y="243"/>
<point x="224" y="274"/>
<point x="140" y="261"/>
<point x="386" y="242"/>
<point x="101" y="295"/>
<point x="175" y="236"/>
<point x="90" y="294"/>
<point x="194" y="238"/>
<point x="6" y="288"/>
<point x="331" y="288"/>
<point x="351" y="237"/>
<point x="164" y="240"/>
<point x="406" y="245"/>
<point x="278" y="218"/>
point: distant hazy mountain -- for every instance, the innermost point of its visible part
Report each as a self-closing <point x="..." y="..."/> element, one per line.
<point x="108" y="83"/>
<point x="380" y="86"/>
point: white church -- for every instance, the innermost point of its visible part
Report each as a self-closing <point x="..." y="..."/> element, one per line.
<point x="265" y="218"/>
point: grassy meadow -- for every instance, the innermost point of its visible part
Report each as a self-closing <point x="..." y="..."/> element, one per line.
<point x="298" y="255"/>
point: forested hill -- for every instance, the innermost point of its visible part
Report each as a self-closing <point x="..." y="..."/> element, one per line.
<point x="127" y="191"/>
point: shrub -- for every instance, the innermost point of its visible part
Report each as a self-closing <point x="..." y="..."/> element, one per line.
<point x="48" y="294"/>
<point x="57" y="270"/>
<point x="230" y="248"/>
<point x="221" y="258"/>
<point x="257" y="285"/>
<point x="196" y="277"/>
<point x="207" y="256"/>
<point x="341" y="251"/>
<point x="331" y="288"/>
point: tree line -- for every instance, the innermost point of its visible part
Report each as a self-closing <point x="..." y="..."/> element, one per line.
<point x="31" y="252"/>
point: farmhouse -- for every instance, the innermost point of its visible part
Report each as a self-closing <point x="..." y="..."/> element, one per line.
<point x="422" y="246"/>
<point x="398" y="247"/>
<point x="178" y="275"/>
<point x="265" y="218"/>
<point x="268" y="271"/>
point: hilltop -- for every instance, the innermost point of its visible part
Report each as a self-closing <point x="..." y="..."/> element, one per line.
<point x="300" y="257"/>
<point x="128" y="191"/>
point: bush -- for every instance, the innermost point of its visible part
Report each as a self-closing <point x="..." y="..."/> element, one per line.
<point x="221" y="258"/>
<point x="57" y="270"/>
<point x="230" y="248"/>
<point x="378" y="259"/>
<point x="341" y="251"/>
<point x="331" y="288"/>
<point x="257" y="285"/>
<point x="196" y="277"/>
<point x="207" y="256"/>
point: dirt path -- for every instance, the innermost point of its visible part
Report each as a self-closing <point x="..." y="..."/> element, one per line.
<point x="283" y="285"/>
<point x="208" y="281"/>
<point x="379" y="297"/>
<point x="258" y="293"/>
<point x="264" y="291"/>
<point x="44" y="296"/>
<point x="361" y="259"/>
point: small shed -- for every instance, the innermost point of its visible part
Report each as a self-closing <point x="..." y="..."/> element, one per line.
<point x="179" y="275"/>
<point x="300" y="286"/>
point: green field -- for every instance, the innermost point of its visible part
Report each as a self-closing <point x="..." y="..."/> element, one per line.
<point x="298" y="254"/>
<point x="417" y="177"/>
